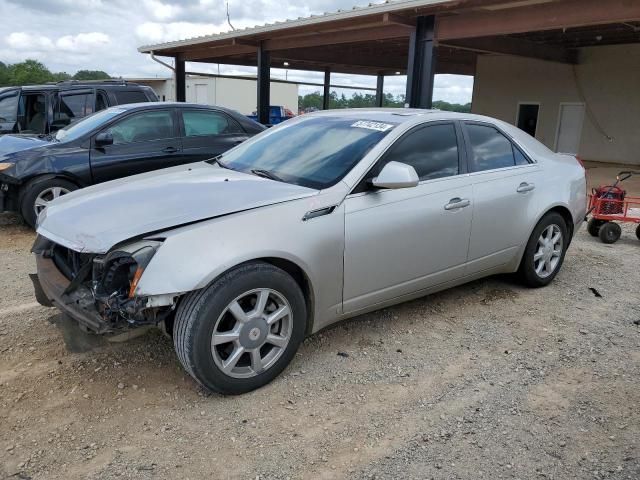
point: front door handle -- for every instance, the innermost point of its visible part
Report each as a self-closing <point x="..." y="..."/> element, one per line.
<point x="170" y="150"/>
<point x="525" y="187"/>
<point x="456" y="203"/>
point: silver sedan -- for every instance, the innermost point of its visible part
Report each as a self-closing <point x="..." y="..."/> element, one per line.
<point x="322" y="218"/>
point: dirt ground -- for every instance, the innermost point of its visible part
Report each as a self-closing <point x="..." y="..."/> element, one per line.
<point x="489" y="380"/>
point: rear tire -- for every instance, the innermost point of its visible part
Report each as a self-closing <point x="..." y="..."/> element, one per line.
<point x="593" y="226"/>
<point x="225" y="336"/>
<point x="610" y="233"/>
<point x="38" y="192"/>
<point x="545" y="251"/>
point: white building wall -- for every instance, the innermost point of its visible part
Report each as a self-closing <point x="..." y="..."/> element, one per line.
<point x="610" y="80"/>
<point x="231" y="93"/>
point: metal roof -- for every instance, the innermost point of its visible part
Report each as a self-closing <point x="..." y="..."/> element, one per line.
<point x="355" y="12"/>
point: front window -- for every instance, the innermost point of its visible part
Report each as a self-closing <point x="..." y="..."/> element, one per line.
<point x="315" y="153"/>
<point x="9" y="108"/>
<point x="142" y="127"/>
<point x="86" y="125"/>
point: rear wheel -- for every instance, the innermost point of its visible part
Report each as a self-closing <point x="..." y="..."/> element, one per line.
<point x="593" y="226"/>
<point x="38" y="193"/>
<point x="610" y="232"/>
<point x="545" y="251"/>
<point x="241" y="331"/>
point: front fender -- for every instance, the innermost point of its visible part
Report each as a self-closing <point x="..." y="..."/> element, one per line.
<point x="191" y="257"/>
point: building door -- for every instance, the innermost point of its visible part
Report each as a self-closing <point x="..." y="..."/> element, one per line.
<point x="528" y="117"/>
<point x="570" y="121"/>
<point x="201" y="94"/>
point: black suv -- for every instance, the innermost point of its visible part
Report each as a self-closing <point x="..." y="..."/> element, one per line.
<point x="43" y="109"/>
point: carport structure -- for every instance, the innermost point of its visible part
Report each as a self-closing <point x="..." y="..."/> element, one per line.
<point x="418" y="38"/>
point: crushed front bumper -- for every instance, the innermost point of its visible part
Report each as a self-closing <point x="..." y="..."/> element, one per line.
<point x="50" y="285"/>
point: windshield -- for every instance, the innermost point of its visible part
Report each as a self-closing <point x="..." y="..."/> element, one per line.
<point x="316" y="152"/>
<point x="86" y="125"/>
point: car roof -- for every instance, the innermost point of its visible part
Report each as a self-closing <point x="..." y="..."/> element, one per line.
<point x="74" y="84"/>
<point x="133" y="106"/>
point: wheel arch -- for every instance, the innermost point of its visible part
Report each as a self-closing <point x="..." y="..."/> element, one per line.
<point x="564" y="212"/>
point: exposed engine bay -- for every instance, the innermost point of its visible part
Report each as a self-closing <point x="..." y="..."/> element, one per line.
<point x="100" y="288"/>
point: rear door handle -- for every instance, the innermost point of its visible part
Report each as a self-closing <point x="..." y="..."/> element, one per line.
<point x="456" y="203"/>
<point x="525" y="187"/>
<point x="170" y="150"/>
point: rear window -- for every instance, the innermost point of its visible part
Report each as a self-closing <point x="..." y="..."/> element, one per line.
<point x="130" y="96"/>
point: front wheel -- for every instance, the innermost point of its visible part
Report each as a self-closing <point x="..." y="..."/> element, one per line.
<point x="38" y="193"/>
<point x="241" y="331"/>
<point x="545" y="251"/>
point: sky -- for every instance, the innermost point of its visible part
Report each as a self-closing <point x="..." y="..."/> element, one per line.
<point x="71" y="35"/>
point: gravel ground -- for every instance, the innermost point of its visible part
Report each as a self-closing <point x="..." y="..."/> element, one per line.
<point x="489" y="380"/>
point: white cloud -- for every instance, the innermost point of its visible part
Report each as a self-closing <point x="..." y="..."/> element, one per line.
<point x="83" y="42"/>
<point x="154" y="32"/>
<point x="29" y="42"/>
<point x="161" y="10"/>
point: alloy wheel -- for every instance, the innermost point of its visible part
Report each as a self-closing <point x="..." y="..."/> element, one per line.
<point x="252" y="333"/>
<point x="46" y="196"/>
<point x="548" y="251"/>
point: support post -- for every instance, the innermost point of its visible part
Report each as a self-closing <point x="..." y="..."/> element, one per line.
<point x="422" y="62"/>
<point x="327" y="87"/>
<point x="379" y="90"/>
<point x="181" y="80"/>
<point x="264" y="84"/>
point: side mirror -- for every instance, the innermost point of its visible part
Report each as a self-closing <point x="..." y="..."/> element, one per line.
<point x="396" y="175"/>
<point x="103" y="139"/>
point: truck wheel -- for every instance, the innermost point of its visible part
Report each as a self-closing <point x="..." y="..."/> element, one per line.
<point x="241" y="331"/>
<point x="37" y="194"/>
<point x="593" y="226"/>
<point x="610" y="232"/>
<point x="545" y="250"/>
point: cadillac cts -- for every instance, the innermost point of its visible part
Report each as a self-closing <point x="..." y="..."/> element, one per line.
<point x="325" y="217"/>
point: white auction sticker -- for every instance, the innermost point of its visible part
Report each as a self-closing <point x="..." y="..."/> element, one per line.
<point x="379" y="126"/>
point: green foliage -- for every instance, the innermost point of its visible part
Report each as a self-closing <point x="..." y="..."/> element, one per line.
<point x="32" y="72"/>
<point x="91" y="75"/>
<point x="360" y="100"/>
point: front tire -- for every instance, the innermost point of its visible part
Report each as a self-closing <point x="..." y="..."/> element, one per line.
<point x="241" y="332"/>
<point x="545" y="251"/>
<point x="37" y="194"/>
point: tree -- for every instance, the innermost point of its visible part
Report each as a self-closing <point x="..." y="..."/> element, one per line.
<point x="359" y="100"/>
<point x="28" y="72"/>
<point x="91" y="75"/>
<point x="4" y="74"/>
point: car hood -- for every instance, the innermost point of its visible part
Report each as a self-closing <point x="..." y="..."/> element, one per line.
<point x="97" y="218"/>
<point x="17" y="143"/>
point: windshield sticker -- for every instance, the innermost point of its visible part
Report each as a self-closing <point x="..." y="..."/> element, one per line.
<point x="378" y="126"/>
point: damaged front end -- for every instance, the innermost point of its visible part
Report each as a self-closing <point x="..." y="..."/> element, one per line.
<point x="99" y="291"/>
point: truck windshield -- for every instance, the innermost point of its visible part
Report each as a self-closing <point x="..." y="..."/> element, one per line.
<point x="86" y="125"/>
<point x="314" y="152"/>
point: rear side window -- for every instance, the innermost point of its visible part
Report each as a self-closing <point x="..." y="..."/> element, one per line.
<point x="72" y="106"/>
<point x="9" y="108"/>
<point x="130" y="96"/>
<point x="199" y="123"/>
<point x="101" y="101"/>
<point x="491" y="149"/>
<point x="142" y="127"/>
<point x="431" y="150"/>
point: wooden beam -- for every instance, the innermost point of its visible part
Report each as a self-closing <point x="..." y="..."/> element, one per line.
<point x="390" y="18"/>
<point x="548" y="16"/>
<point x="335" y="38"/>
<point x="517" y="47"/>
<point x="218" y="52"/>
